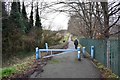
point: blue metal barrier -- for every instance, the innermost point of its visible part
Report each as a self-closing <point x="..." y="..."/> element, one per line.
<point x="46" y="45"/>
<point x="57" y="50"/>
<point x="64" y="51"/>
<point x="84" y="52"/>
<point x="79" y="57"/>
<point x="92" y="52"/>
<point x="37" y="53"/>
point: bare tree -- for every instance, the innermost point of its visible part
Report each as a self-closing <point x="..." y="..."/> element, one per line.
<point x="94" y="15"/>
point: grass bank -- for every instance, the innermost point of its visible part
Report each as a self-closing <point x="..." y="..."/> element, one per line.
<point x="22" y="63"/>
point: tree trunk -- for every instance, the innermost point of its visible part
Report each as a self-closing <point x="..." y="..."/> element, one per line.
<point x="106" y="19"/>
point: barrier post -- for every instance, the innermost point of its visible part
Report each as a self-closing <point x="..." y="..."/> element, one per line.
<point x="37" y="53"/>
<point x="84" y="52"/>
<point x="46" y="45"/>
<point x="79" y="57"/>
<point x="92" y="52"/>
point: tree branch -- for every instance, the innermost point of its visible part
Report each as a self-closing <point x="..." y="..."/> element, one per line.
<point x="114" y="12"/>
<point x="114" y="22"/>
<point x="114" y="6"/>
<point x="115" y="33"/>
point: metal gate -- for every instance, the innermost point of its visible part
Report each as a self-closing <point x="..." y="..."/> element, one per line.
<point x="64" y="51"/>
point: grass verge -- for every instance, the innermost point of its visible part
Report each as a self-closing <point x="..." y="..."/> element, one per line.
<point x="16" y="69"/>
<point x="105" y="72"/>
<point x="23" y="66"/>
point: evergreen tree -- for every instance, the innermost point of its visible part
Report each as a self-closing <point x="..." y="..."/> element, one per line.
<point x="31" y="17"/>
<point x="19" y="9"/>
<point x="10" y="32"/>
<point x="4" y="15"/>
<point x="5" y="32"/>
<point x="24" y="11"/>
<point x="14" y="10"/>
<point x="25" y="19"/>
<point x="4" y="12"/>
<point x="16" y="17"/>
<point x="38" y="28"/>
<point x="38" y="21"/>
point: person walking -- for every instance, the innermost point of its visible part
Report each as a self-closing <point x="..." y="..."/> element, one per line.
<point x="76" y="43"/>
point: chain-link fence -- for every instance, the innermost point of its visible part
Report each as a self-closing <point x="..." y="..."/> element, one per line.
<point x="101" y="52"/>
<point x="115" y="56"/>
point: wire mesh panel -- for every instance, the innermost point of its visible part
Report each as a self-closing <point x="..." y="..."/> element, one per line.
<point x="100" y="48"/>
<point x="114" y="52"/>
<point x="119" y="57"/>
<point x="101" y="52"/>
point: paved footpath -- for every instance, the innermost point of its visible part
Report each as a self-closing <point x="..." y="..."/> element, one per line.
<point x="67" y="66"/>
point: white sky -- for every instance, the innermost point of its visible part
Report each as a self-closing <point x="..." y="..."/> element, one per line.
<point x="52" y="20"/>
<point x="49" y="19"/>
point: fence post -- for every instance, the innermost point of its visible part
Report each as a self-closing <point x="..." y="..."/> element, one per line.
<point x="37" y="53"/>
<point x="108" y="54"/>
<point x="79" y="57"/>
<point x="46" y="45"/>
<point x="84" y="52"/>
<point x="92" y="52"/>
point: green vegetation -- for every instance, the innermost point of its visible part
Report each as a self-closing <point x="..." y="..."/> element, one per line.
<point x="20" y="36"/>
<point x="59" y="46"/>
<point x="24" y="62"/>
<point x="16" y="59"/>
<point x="106" y="73"/>
<point x="74" y="37"/>
<point x="65" y="38"/>
<point x="18" y="68"/>
<point x="8" y="71"/>
<point x="51" y="37"/>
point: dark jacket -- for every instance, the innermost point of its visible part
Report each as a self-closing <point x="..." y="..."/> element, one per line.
<point x="76" y="42"/>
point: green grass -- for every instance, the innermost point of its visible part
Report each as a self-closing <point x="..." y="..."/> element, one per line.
<point x="19" y="63"/>
<point x="107" y="73"/>
<point x="22" y="65"/>
<point x="16" y="59"/>
<point x="24" y="54"/>
<point x="8" y="71"/>
<point x="66" y="37"/>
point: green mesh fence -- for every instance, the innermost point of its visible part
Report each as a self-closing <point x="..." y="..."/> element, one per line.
<point x="101" y="50"/>
<point x="115" y="56"/>
<point x="119" y="56"/>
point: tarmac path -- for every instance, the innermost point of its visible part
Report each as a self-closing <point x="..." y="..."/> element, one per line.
<point x="67" y="66"/>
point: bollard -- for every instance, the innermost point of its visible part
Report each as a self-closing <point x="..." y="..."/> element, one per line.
<point x="79" y="57"/>
<point x="92" y="52"/>
<point x="84" y="52"/>
<point x="46" y="45"/>
<point x="37" y="53"/>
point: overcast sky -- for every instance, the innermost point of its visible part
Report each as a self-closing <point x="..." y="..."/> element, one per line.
<point x="50" y="19"/>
